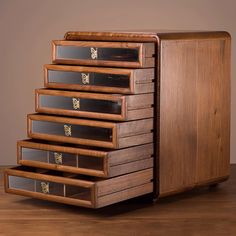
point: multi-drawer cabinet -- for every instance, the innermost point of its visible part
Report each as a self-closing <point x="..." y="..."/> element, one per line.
<point x="125" y="114"/>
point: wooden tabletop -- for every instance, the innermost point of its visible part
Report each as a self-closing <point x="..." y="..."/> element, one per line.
<point x="204" y="211"/>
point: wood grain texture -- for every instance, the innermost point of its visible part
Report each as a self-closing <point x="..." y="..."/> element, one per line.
<point x="201" y="211"/>
<point x="213" y="111"/>
<point x="142" y="35"/>
<point x="194" y="112"/>
<point x="191" y="139"/>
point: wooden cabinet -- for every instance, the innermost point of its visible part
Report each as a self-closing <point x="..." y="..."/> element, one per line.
<point x="125" y="114"/>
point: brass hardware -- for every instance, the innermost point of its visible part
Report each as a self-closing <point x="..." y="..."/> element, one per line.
<point x="85" y="78"/>
<point x="58" y="158"/>
<point x="76" y="103"/>
<point x="67" y="129"/>
<point x="45" y="187"/>
<point x="94" y="53"/>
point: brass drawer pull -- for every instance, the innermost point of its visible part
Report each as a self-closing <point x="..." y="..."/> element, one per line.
<point x="76" y="103"/>
<point x="67" y="130"/>
<point x="85" y="78"/>
<point x="58" y="158"/>
<point x="94" y="53"/>
<point x="45" y="187"/>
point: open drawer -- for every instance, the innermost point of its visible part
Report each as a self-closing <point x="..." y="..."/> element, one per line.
<point x="99" y="79"/>
<point x="117" y="54"/>
<point x="77" y="189"/>
<point x="94" y="105"/>
<point x="81" y="160"/>
<point x="90" y="132"/>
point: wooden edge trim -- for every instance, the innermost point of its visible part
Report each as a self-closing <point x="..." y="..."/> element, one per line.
<point x="70" y="169"/>
<point x="59" y="148"/>
<point x="56" y="179"/>
<point x="91" y="142"/>
<point x="45" y="75"/>
<point x="101" y="44"/>
<point x="88" y="69"/>
<point x="96" y="96"/>
<point x="59" y="199"/>
<point x="18" y="152"/>
<point x="75" y="121"/>
<point x="126" y="64"/>
<point x="37" y="104"/>
<point x="53" y="51"/>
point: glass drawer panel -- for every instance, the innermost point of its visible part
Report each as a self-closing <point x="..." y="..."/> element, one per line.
<point x="80" y="104"/>
<point x="95" y="79"/>
<point x="49" y="188"/>
<point x="60" y="158"/>
<point x="21" y="183"/>
<point x="31" y="154"/>
<point x="71" y="130"/>
<point x="90" y="53"/>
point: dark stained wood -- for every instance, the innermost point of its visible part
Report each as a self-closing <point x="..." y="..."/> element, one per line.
<point x="203" y="211"/>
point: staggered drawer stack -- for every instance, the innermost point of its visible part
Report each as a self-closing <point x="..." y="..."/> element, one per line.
<point x="92" y="136"/>
<point x="125" y="114"/>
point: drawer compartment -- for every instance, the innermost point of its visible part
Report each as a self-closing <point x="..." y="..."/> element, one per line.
<point x="93" y="105"/>
<point x="117" y="54"/>
<point x="81" y="160"/>
<point x="77" y="189"/>
<point x="99" y="79"/>
<point x="90" y="132"/>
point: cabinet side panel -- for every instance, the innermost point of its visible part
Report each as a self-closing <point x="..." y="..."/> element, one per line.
<point x="194" y="113"/>
<point x="213" y="109"/>
<point x="178" y="124"/>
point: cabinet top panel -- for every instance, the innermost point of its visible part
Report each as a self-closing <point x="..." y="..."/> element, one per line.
<point x="142" y="35"/>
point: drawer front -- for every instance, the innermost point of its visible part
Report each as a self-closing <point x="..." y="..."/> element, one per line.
<point x="109" y="80"/>
<point x="92" y="105"/>
<point x="90" y="132"/>
<point x="27" y="181"/>
<point x="77" y="190"/>
<point x="118" y="54"/>
<point x="76" y="160"/>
